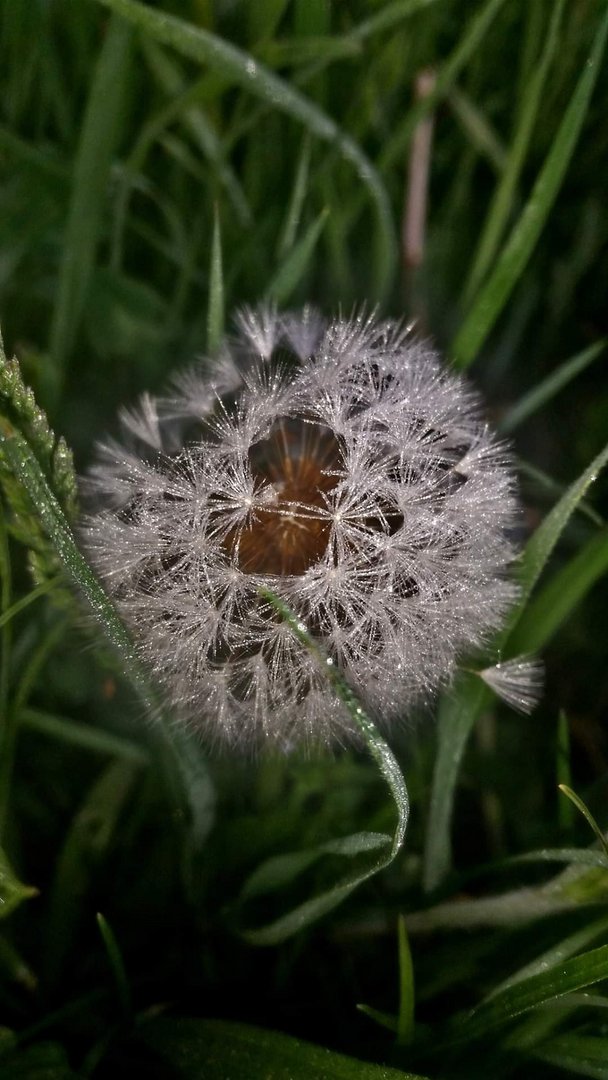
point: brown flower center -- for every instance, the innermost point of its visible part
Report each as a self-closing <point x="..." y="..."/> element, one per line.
<point x="290" y="533"/>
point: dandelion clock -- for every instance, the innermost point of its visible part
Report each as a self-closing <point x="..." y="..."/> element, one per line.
<point x="336" y="464"/>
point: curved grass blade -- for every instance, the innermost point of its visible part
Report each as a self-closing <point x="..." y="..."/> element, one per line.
<point x="520" y="245"/>
<point x="311" y="910"/>
<point x="243" y="69"/>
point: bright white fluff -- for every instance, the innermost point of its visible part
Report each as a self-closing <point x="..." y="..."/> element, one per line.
<point x="338" y="465"/>
<point x="519" y="682"/>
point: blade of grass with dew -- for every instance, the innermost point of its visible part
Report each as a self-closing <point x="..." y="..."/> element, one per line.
<point x="493" y="296"/>
<point x="215" y="312"/>
<point x="537" y="990"/>
<point x="281" y="870"/>
<point x="578" y="886"/>
<point x="28" y="472"/>
<point x="504" y="195"/>
<point x="460" y="709"/>
<point x="311" y="910"/>
<point x="243" y="69"/>
<point x="553" y="957"/>
<point x="23" y="462"/>
<point x="99" y="135"/>
<point x="543" y="392"/>
<point x="216" y="1049"/>
<point x="547" y="611"/>
<point x="295" y="264"/>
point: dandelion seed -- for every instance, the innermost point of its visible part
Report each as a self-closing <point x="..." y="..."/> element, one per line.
<point x="336" y="464"/>
<point x="519" y="682"/>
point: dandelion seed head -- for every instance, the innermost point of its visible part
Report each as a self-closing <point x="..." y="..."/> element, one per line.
<point x="336" y="464"/>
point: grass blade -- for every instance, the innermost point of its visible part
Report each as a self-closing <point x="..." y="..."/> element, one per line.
<point x="311" y="910"/>
<point x="216" y="1049"/>
<point x="573" y="974"/>
<point x="457" y="714"/>
<point x="520" y="245"/>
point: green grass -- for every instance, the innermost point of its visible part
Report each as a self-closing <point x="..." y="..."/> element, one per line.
<point x="161" y="164"/>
